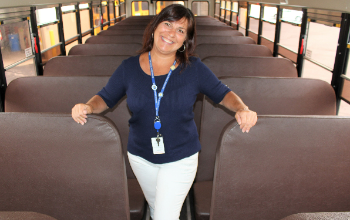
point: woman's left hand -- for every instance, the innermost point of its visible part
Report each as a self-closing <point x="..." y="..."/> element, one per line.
<point x="246" y="119"/>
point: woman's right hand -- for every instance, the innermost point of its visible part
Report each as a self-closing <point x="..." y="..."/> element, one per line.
<point x="80" y="112"/>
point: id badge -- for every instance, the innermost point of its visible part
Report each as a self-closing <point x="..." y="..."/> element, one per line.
<point x="158" y="145"/>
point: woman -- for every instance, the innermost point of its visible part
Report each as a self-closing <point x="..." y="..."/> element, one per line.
<point x="161" y="85"/>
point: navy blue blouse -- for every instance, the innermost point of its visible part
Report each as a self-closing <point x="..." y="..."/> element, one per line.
<point x="176" y="108"/>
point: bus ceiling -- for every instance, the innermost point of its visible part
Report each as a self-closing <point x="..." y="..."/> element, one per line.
<point x="336" y="5"/>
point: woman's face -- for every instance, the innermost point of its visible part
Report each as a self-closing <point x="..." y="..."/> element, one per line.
<point x="170" y="35"/>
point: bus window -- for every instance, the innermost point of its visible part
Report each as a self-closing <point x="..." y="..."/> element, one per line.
<point x="289" y="37"/>
<point x="96" y="19"/>
<point x="139" y="8"/>
<point x="162" y="4"/>
<point x="16" y="46"/>
<point x="242" y="19"/>
<point x="269" y="28"/>
<point x="254" y="16"/>
<point x="217" y="8"/>
<point x="200" y="8"/>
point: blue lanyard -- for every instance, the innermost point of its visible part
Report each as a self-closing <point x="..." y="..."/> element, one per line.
<point x="158" y="97"/>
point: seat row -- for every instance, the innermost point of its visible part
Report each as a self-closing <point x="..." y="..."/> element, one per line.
<point x="87" y="66"/>
<point x="52" y="168"/>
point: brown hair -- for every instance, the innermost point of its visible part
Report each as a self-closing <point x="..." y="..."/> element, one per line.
<point x="173" y="12"/>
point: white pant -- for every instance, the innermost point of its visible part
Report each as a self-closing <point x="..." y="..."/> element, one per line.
<point x="165" y="186"/>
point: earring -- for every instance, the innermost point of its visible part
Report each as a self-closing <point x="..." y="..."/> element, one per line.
<point x="152" y="35"/>
<point x="183" y="49"/>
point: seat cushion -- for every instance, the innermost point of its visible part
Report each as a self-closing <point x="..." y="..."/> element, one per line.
<point x="319" y="216"/>
<point x="136" y="200"/>
<point x="202" y="199"/>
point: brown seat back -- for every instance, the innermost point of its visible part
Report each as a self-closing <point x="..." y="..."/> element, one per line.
<point x="285" y="165"/>
<point x="127" y="49"/>
<point x="60" y="94"/>
<point x="319" y="216"/>
<point x="116" y="39"/>
<point x="83" y="65"/>
<point x="128" y="27"/>
<point x="121" y="32"/>
<point x="224" y="40"/>
<point x="233" y="50"/>
<point x="251" y="66"/>
<point x="219" y="33"/>
<point x="273" y="96"/>
<point x="54" y="166"/>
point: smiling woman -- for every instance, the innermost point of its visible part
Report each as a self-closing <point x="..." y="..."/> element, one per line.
<point x="163" y="142"/>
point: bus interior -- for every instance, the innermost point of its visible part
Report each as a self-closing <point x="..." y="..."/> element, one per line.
<point x="287" y="59"/>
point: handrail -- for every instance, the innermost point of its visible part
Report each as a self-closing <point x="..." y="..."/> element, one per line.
<point x="47" y="49"/>
<point x="19" y="62"/>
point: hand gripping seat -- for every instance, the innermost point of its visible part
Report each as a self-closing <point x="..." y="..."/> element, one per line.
<point x="275" y="96"/>
<point x="285" y="165"/>
<point x="60" y="94"/>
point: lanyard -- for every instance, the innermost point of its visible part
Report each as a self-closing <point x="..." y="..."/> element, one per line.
<point x="158" y="97"/>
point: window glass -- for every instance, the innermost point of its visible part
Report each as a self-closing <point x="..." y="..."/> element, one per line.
<point x="270" y="14"/>
<point x="268" y="31"/>
<point x="144" y="6"/>
<point x="111" y="12"/>
<point x="228" y="11"/>
<point x="85" y="38"/>
<point x="116" y="9"/>
<point x="48" y="36"/>
<point x="242" y="20"/>
<point x="96" y="19"/>
<point x="162" y="4"/>
<point x="217" y="8"/>
<point x="46" y="15"/>
<point x="311" y="70"/>
<point x="344" y="109"/>
<point x="292" y="16"/>
<point x="104" y="14"/>
<point x="254" y="16"/>
<point x="289" y="36"/>
<point x="200" y="8"/>
<point x="348" y="65"/>
<point x="140" y="8"/>
<point x="69" y="25"/>
<point x="322" y="43"/>
<point x="69" y="46"/>
<point x="84" y="6"/>
<point x="84" y="20"/>
<point x="235" y="6"/>
<point x="68" y="8"/>
<point x="16" y="45"/>
<point x="254" y="11"/>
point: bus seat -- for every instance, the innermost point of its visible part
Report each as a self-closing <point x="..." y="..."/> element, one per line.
<point x="233" y="50"/>
<point x="127" y="27"/>
<point x="245" y="66"/>
<point x="319" y="216"/>
<point x="214" y="27"/>
<point x="51" y="165"/>
<point x="251" y="66"/>
<point x="273" y="96"/>
<point x="115" y="39"/>
<point x="219" y="33"/>
<point x="60" y="94"/>
<point x="129" y="49"/>
<point x="83" y="65"/>
<point x="285" y="165"/>
<point x="17" y="215"/>
<point x="121" y="32"/>
<point x="224" y="40"/>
